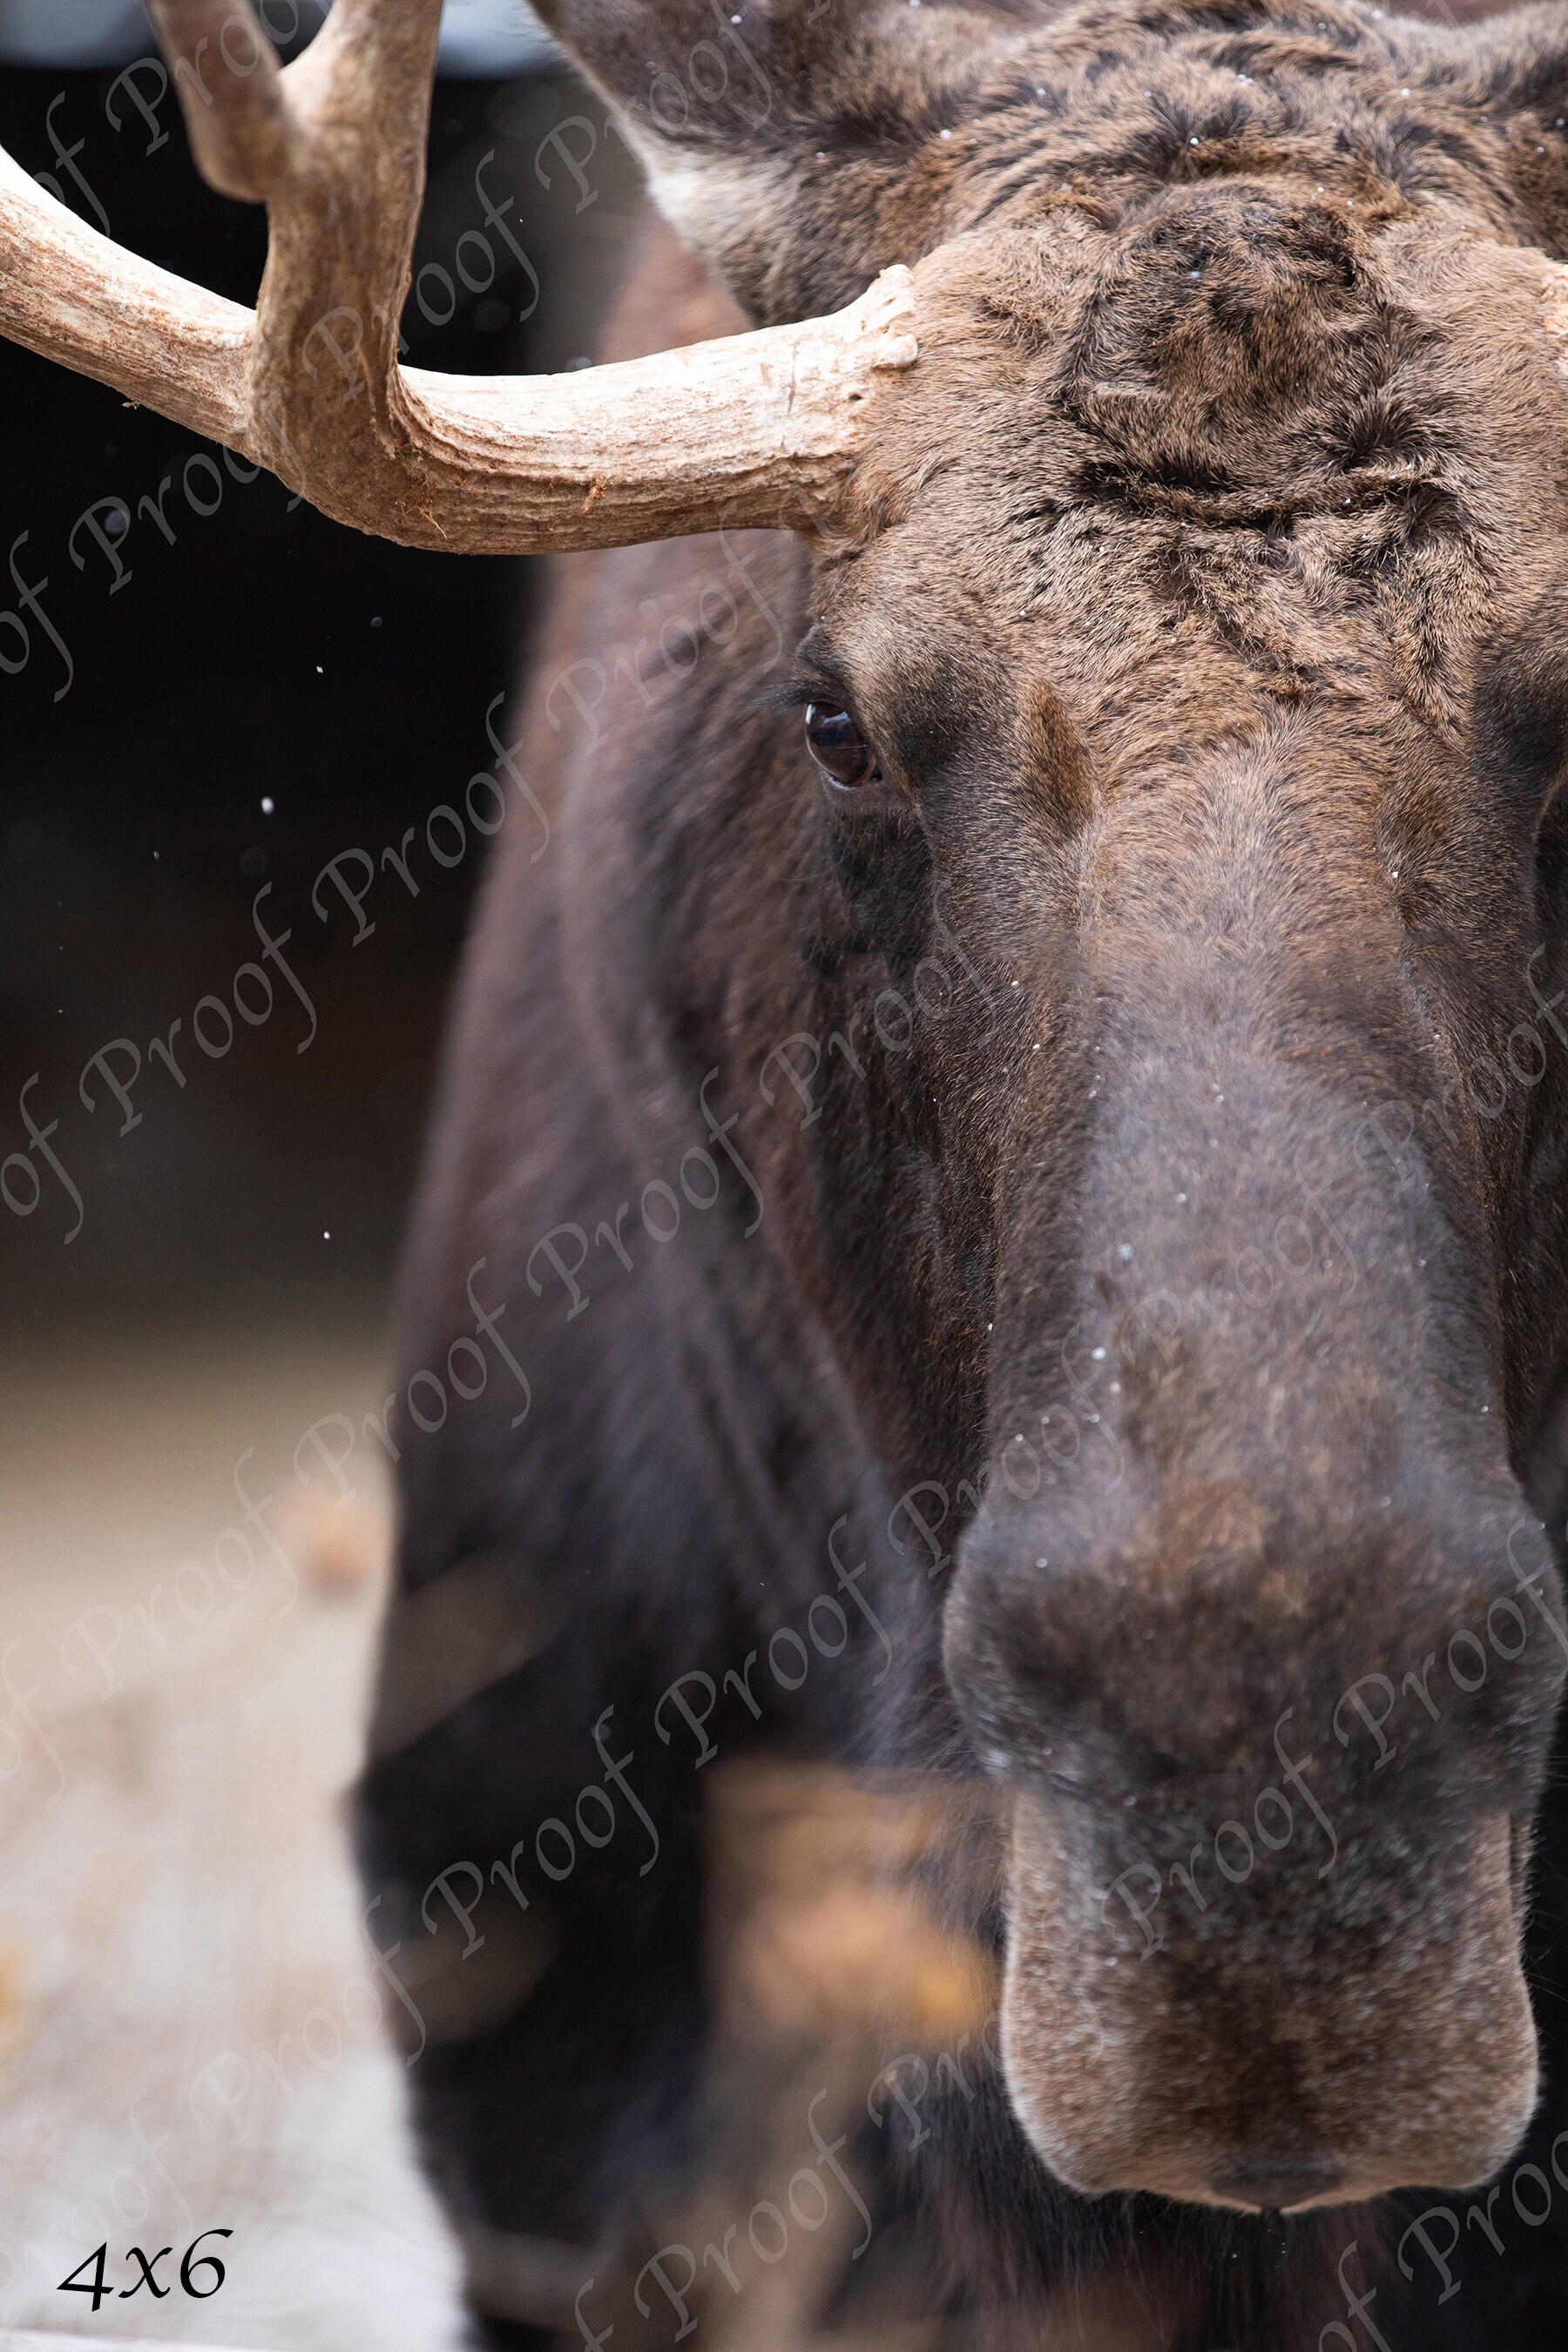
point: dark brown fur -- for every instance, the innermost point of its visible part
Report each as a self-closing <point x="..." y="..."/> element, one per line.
<point x="1114" y="1081"/>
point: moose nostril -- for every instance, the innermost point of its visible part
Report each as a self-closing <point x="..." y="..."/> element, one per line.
<point x="1274" y="2183"/>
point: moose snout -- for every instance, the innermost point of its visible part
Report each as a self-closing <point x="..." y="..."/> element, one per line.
<point x="1263" y="1927"/>
<point x="1284" y="2044"/>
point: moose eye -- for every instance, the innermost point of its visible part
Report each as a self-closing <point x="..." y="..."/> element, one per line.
<point x="838" y="746"/>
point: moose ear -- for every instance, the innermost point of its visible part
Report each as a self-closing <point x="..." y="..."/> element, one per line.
<point x="801" y="145"/>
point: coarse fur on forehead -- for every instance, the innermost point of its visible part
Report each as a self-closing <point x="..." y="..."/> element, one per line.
<point x="1231" y="324"/>
<point x="903" y="131"/>
<point x="1323" y="452"/>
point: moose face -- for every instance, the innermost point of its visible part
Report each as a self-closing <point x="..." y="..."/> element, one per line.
<point x="1205" y="674"/>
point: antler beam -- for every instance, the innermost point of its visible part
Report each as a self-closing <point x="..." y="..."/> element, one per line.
<point x="758" y="430"/>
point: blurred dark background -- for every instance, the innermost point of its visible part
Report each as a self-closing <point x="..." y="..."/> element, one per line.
<point x="179" y="647"/>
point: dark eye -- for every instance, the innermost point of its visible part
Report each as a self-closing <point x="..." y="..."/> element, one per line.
<point x="838" y="746"/>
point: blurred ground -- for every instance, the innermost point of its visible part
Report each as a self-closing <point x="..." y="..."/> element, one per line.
<point x="191" y="2035"/>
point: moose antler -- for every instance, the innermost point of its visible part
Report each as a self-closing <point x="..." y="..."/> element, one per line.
<point x="756" y="430"/>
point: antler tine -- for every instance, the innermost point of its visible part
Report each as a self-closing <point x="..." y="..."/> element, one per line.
<point x="240" y="128"/>
<point x="757" y="430"/>
<point x="335" y="147"/>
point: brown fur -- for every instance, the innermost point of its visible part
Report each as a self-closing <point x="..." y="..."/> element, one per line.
<point x="1206" y="610"/>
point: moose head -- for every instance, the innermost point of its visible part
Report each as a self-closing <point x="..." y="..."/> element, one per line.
<point x="1172" y="397"/>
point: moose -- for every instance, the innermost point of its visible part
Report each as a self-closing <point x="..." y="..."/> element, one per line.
<point x="1012" y="1140"/>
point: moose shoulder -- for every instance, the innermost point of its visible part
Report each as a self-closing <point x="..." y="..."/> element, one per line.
<point x="997" y="1207"/>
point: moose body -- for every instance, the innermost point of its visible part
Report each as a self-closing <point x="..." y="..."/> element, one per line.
<point x="1068" y="1185"/>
